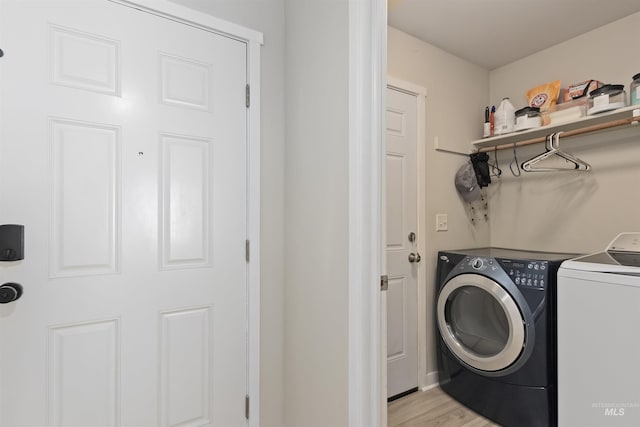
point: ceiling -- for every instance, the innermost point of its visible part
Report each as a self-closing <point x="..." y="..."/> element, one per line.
<point x="492" y="33"/>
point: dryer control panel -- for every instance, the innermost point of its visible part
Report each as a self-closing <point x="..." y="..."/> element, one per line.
<point x="479" y="264"/>
<point x="528" y="274"/>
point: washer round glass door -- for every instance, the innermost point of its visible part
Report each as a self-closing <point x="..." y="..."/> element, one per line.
<point x="480" y="322"/>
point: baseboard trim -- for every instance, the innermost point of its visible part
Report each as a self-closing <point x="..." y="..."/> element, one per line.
<point x="430" y="381"/>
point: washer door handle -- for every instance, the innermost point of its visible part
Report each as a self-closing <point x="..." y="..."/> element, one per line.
<point x="414" y="257"/>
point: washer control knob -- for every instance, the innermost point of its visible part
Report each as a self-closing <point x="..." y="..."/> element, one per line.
<point x="477" y="263"/>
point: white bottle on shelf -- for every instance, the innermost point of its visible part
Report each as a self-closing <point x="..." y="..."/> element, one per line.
<point x="505" y="118"/>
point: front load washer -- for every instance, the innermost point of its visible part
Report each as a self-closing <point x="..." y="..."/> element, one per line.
<point x="496" y="347"/>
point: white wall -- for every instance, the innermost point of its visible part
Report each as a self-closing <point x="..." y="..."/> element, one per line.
<point x="457" y="92"/>
<point x="316" y="213"/>
<point x="572" y="212"/>
<point x="266" y="16"/>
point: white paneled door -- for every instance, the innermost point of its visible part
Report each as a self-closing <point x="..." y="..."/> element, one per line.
<point x="123" y="152"/>
<point x="403" y="258"/>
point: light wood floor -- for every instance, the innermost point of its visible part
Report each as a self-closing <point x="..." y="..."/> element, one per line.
<point x="433" y="408"/>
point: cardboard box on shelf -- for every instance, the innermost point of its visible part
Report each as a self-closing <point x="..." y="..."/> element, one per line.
<point x="580" y="90"/>
<point x="566" y="112"/>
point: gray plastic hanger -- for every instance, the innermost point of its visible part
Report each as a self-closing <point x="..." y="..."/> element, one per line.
<point x="552" y="144"/>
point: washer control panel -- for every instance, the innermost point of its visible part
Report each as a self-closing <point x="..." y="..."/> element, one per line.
<point x="528" y="274"/>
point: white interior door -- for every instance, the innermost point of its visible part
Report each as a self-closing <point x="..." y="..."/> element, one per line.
<point x="123" y="152"/>
<point x="402" y="247"/>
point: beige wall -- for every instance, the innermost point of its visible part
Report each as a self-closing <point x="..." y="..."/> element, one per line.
<point x="609" y="54"/>
<point x="306" y="325"/>
<point x="576" y="212"/>
<point x="316" y="213"/>
<point x="457" y="92"/>
<point x="566" y="212"/>
<point x="266" y="16"/>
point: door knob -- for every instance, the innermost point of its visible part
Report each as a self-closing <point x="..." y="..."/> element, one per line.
<point x="10" y="292"/>
<point x="414" y="257"/>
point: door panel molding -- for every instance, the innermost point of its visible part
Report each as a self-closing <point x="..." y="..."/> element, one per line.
<point x="402" y="222"/>
<point x="253" y="41"/>
<point x="425" y="379"/>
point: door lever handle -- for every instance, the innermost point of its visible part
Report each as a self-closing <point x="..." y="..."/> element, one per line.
<point x="414" y="257"/>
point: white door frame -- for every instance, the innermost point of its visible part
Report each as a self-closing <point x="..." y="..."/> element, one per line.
<point x="421" y="104"/>
<point x="254" y="41"/>
<point x="367" y="86"/>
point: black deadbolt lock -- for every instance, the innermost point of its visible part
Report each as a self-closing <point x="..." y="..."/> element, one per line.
<point x="11" y="242"/>
<point x="10" y="292"/>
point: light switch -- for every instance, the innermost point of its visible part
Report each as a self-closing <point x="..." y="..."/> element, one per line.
<point x="442" y="222"/>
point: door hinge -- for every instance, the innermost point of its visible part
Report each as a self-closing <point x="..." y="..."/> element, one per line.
<point x="247" y="96"/>
<point x="384" y="282"/>
<point x="247" y="250"/>
<point x="246" y="407"/>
